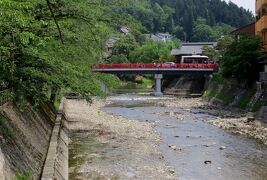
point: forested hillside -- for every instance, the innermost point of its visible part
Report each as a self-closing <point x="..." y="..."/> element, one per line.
<point x="190" y="20"/>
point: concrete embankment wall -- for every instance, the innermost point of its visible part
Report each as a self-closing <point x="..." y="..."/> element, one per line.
<point x="24" y="139"/>
<point x="33" y="141"/>
<point x="56" y="163"/>
<point x="184" y="85"/>
<point x="233" y="94"/>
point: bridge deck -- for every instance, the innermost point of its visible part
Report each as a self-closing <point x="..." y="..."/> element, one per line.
<point x="163" y="68"/>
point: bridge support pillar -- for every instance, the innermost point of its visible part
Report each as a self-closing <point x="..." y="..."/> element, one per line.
<point x="157" y="89"/>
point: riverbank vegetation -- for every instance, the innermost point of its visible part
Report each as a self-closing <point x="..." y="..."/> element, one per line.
<point x="239" y="59"/>
<point x="234" y="84"/>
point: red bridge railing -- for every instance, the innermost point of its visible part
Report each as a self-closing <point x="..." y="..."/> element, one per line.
<point x="158" y="65"/>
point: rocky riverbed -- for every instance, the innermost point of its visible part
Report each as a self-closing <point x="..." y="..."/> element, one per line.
<point x="144" y="137"/>
<point x="104" y="146"/>
<point x="230" y="119"/>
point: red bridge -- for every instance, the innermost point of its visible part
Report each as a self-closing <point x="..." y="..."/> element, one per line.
<point x="156" y="68"/>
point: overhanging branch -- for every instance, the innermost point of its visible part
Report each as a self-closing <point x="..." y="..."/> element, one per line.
<point x="55" y="20"/>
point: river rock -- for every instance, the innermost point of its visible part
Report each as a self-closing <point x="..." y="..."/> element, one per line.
<point x="207" y="162"/>
<point x="250" y="119"/>
<point x="172" y="171"/>
<point x="172" y="146"/>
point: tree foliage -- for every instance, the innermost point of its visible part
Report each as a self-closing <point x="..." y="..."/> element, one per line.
<point x="202" y="31"/>
<point x="218" y="52"/>
<point x="239" y="60"/>
<point x="124" y="45"/>
<point x="50" y="44"/>
<point x="152" y="52"/>
<point x="180" y="17"/>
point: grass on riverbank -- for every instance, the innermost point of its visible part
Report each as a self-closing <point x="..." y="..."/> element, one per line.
<point x="220" y="91"/>
<point x="26" y="175"/>
<point x="229" y="91"/>
<point x="148" y="83"/>
<point x="245" y="99"/>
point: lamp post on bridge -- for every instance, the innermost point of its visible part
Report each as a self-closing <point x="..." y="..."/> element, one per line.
<point x="157" y="88"/>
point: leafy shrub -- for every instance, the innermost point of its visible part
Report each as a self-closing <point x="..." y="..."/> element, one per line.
<point x="239" y="60"/>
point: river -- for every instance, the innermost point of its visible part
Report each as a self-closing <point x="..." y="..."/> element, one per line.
<point x="195" y="149"/>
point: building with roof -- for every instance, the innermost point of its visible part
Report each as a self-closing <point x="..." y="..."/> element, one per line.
<point x="110" y="42"/>
<point x="165" y="37"/>
<point x="248" y="29"/>
<point x="193" y="48"/>
<point x="261" y="21"/>
<point x="125" y="30"/>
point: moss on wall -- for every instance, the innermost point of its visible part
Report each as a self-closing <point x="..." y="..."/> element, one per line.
<point x="25" y="137"/>
<point x="232" y="93"/>
<point x="5" y="131"/>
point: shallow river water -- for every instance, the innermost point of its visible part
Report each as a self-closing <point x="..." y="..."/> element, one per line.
<point x="203" y="151"/>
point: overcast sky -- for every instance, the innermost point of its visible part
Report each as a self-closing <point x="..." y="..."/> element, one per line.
<point x="247" y="4"/>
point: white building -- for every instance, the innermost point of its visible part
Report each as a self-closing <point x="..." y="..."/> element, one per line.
<point x="165" y="37"/>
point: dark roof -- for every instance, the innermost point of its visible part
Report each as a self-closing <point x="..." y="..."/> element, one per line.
<point x="192" y="48"/>
<point x="248" y="29"/>
<point x="199" y="43"/>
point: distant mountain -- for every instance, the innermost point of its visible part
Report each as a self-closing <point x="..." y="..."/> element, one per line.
<point x="190" y="19"/>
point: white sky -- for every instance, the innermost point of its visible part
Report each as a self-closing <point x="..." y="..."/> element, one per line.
<point x="247" y="4"/>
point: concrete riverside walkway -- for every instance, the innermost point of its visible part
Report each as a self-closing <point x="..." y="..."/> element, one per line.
<point x="56" y="163"/>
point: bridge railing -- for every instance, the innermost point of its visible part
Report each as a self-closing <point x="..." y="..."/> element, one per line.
<point x="155" y="65"/>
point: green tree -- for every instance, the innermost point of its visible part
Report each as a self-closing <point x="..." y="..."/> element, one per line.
<point x="154" y="51"/>
<point x="124" y="46"/>
<point x="50" y="45"/>
<point x="202" y="31"/>
<point x="184" y="13"/>
<point x="188" y="22"/>
<point x="218" y="52"/>
<point x="239" y="60"/>
<point x="223" y="44"/>
<point x="179" y="33"/>
<point x="119" y="59"/>
<point x="222" y="29"/>
<point x="159" y="18"/>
